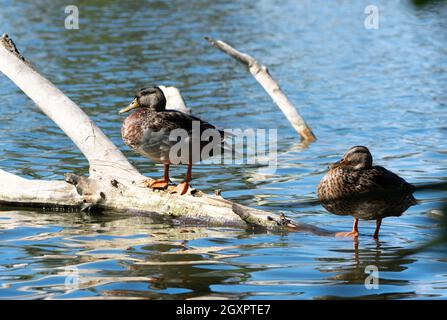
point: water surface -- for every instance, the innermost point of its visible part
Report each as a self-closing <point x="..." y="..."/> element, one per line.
<point x="381" y="88"/>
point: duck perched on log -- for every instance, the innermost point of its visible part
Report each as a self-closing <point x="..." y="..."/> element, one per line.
<point x="148" y="131"/>
<point x="355" y="184"/>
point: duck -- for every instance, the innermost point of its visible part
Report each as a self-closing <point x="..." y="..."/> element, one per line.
<point x="148" y="131"/>
<point x="353" y="185"/>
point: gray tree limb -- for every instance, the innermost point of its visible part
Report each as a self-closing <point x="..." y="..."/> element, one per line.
<point x="264" y="78"/>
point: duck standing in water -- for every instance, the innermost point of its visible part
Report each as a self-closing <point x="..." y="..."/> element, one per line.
<point x="353" y="182"/>
<point x="147" y="131"/>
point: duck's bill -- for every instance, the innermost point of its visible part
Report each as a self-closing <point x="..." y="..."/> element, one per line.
<point x="131" y="106"/>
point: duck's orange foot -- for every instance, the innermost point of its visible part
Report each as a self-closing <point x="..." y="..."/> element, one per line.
<point x="354" y="234"/>
<point x="157" y="184"/>
<point x="182" y="188"/>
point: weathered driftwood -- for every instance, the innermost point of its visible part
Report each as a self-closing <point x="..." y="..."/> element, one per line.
<point x="264" y="78"/>
<point x="174" y="99"/>
<point x="113" y="182"/>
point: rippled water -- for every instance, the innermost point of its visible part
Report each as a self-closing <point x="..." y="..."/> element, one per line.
<point x="382" y="88"/>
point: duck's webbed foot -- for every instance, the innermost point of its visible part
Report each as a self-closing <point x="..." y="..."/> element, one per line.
<point x="347" y="234"/>
<point x="354" y="233"/>
<point x="182" y="188"/>
<point x="158" y="184"/>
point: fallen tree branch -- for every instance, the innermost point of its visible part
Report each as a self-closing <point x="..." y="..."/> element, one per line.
<point x="113" y="183"/>
<point x="264" y="78"/>
<point x="174" y="99"/>
<point x="104" y="158"/>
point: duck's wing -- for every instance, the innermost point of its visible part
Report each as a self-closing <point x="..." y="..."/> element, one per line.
<point x="174" y="119"/>
<point x="386" y="181"/>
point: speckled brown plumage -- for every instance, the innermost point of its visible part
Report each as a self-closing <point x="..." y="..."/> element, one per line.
<point x="343" y="182"/>
<point x="148" y="131"/>
<point x="355" y="176"/>
<point x="353" y="186"/>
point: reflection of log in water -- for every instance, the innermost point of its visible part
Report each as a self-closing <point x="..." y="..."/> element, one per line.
<point x="153" y="256"/>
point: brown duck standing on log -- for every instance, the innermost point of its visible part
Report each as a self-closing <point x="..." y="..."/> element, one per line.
<point x="147" y="131"/>
<point x="353" y="183"/>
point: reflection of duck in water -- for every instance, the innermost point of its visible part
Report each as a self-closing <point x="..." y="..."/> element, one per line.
<point x="353" y="186"/>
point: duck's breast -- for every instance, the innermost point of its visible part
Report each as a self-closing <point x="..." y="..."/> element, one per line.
<point x="337" y="183"/>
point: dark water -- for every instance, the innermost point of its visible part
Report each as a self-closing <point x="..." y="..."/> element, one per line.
<point x="382" y="88"/>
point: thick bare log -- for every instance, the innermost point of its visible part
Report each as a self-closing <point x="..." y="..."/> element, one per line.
<point x="17" y="190"/>
<point x="114" y="183"/>
<point x="82" y="193"/>
<point x="264" y="78"/>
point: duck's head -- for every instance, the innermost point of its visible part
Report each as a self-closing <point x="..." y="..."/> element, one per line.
<point x="356" y="158"/>
<point x="148" y="97"/>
